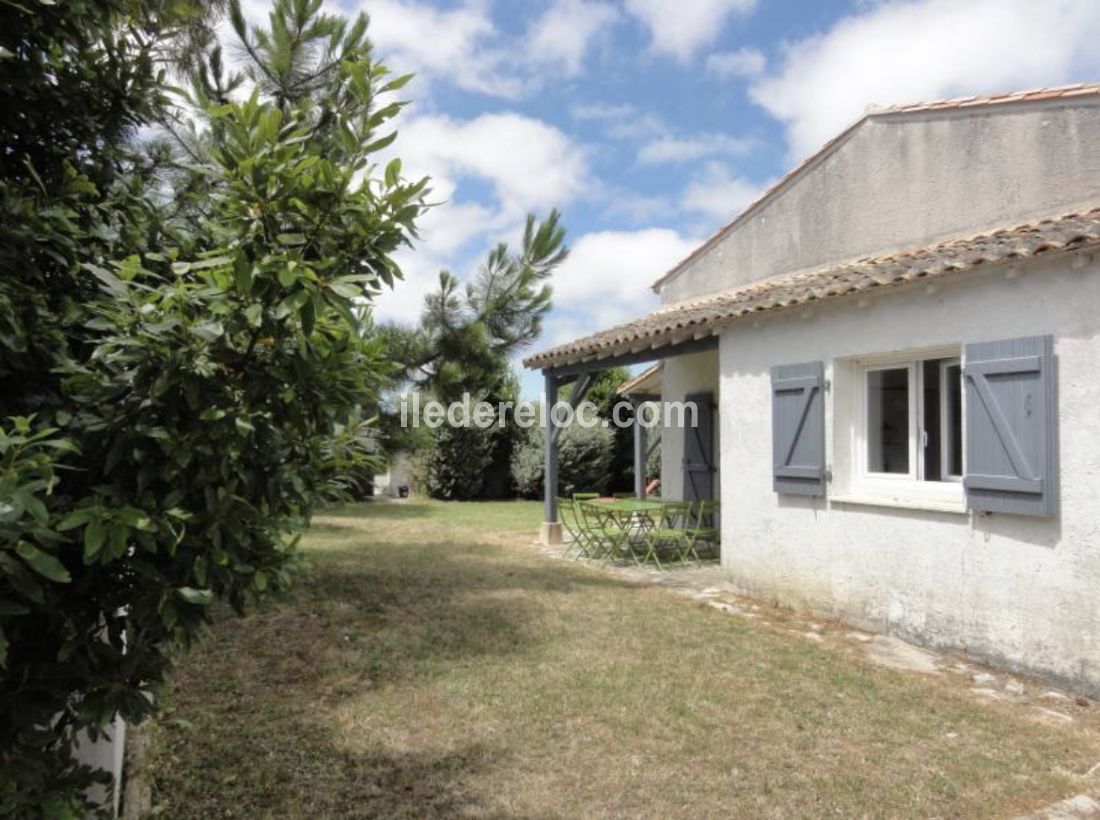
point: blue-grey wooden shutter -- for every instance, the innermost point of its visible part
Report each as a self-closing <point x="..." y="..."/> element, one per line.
<point x="798" y="429"/>
<point x="699" y="449"/>
<point x="1010" y="426"/>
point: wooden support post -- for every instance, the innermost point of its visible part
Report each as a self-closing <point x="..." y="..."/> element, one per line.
<point x="640" y="452"/>
<point x="550" y="532"/>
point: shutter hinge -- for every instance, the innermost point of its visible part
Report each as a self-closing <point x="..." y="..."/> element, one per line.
<point x="829" y="475"/>
<point x="827" y="385"/>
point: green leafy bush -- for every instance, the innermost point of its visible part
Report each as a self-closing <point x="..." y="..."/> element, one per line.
<point x="653" y="462"/>
<point x="452" y="466"/>
<point x="603" y="393"/>
<point x="178" y="362"/>
<point x="584" y="460"/>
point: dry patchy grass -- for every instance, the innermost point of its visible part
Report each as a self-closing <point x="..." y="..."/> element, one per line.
<point x="428" y="666"/>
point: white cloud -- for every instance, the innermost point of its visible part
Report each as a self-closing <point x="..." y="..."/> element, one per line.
<point x="460" y="44"/>
<point x="605" y="281"/>
<point x="905" y="52"/>
<point x="668" y="148"/>
<point x="657" y="142"/>
<point x="601" y="111"/>
<point x="565" y="31"/>
<point x="742" y="62"/>
<point x="606" y="278"/>
<point x="622" y="121"/>
<point x="405" y="301"/>
<point x="457" y="44"/>
<point x="717" y="192"/>
<point x="560" y="328"/>
<point x="635" y="208"/>
<point x="528" y="163"/>
<point x="681" y="29"/>
<point x="521" y="163"/>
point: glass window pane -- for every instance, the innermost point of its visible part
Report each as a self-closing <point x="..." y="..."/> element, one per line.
<point x="954" y="420"/>
<point x="931" y="442"/>
<point x="888" y="421"/>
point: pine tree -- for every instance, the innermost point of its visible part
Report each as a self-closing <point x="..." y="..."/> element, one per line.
<point x="467" y="336"/>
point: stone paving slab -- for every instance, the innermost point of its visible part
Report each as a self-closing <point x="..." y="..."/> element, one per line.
<point x="1081" y="807"/>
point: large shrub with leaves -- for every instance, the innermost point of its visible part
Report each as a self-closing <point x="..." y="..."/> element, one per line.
<point x="603" y="393"/>
<point x="584" y="460"/>
<point x="179" y="348"/>
<point x="453" y="463"/>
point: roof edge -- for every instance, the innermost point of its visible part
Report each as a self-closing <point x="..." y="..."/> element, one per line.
<point x="699" y="317"/>
<point x="628" y="386"/>
<point x="1072" y="91"/>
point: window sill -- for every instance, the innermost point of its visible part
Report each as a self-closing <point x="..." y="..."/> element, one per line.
<point x="867" y="500"/>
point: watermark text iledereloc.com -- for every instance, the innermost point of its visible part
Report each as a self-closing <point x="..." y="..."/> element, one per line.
<point x="484" y="414"/>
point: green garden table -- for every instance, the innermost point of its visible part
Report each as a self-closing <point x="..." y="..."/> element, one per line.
<point x="634" y="516"/>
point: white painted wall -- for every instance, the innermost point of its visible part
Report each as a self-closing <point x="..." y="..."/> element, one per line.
<point x="681" y="376"/>
<point x="108" y="753"/>
<point x="1020" y="591"/>
<point x="400" y="472"/>
<point x="908" y="180"/>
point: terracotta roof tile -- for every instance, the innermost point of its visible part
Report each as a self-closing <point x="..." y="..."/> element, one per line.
<point x="1074" y="90"/>
<point x="704" y="316"/>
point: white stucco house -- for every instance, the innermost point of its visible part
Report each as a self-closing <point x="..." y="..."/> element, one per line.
<point x="899" y="344"/>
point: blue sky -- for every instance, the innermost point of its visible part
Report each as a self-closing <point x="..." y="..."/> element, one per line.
<point x="650" y="123"/>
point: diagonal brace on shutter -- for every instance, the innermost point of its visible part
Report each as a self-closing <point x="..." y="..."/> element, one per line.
<point x="978" y="373"/>
<point x="806" y="385"/>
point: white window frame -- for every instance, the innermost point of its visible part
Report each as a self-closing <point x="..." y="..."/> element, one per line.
<point x="945" y="425"/>
<point x="898" y="489"/>
<point x="865" y="407"/>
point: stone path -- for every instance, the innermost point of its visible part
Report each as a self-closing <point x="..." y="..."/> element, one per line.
<point x="710" y="586"/>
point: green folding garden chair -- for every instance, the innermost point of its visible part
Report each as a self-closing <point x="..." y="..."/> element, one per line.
<point x="580" y="540"/>
<point x="702" y="529"/>
<point x="610" y="541"/>
<point x="669" y="537"/>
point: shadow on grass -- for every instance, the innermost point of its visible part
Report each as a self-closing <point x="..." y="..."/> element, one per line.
<point x="453" y="678"/>
<point x="425" y="576"/>
<point x="281" y="764"/>
<point x="268" y="698"/>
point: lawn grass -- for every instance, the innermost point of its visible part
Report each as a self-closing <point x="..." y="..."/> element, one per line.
<point x="429" y="664"/>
